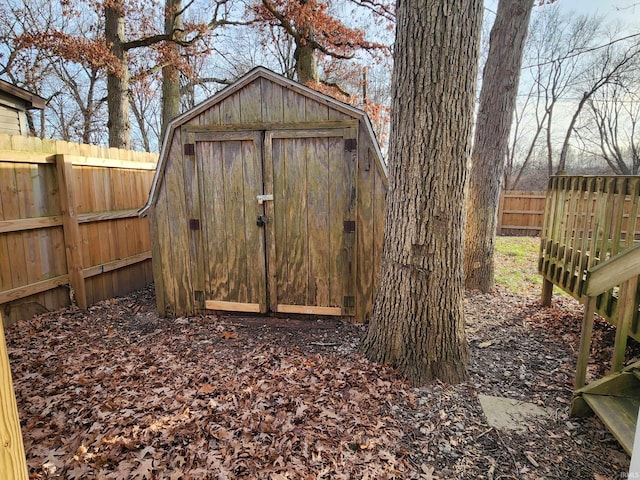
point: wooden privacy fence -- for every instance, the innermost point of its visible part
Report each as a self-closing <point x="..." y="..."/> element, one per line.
<point x="69" y="224"/>
<point x="520" y="212"/>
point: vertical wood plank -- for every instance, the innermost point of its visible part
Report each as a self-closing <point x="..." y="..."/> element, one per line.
<point x="254" y="235"/>
<point x="350" y="166"/>
<point x="26" y="203"/>
<point x="16" y="257"/>
<point x="230" y="109"/>
<point x="272" y="226"/>
<point x="626" y="311"/>
<point x="585" y="342"/>
<point x="317" y="212"/>
<point x="209" y="157"/>
<point x="338" y="213"/>
<point x="234" y="213"/>
<point x="315" y="111"/>
<point x="272" y="102"/>
<point x="251" y="102"/>
<point x="192" y="199"/>
<point x="71" y="230"/>
<point x="379" y="207"/>
<point x="105" y="235"/>
<point x="178" y="223"/>
<point x="294" y="106"/>
<point x="293" y="271"/>
<point x="366" y="227"/>
<point x="13" y="463"/>
<point x="9" y="258"/>
<point x="617" y="216"/>
<point x="156" y="216"/>
<point x="588" y="231"/>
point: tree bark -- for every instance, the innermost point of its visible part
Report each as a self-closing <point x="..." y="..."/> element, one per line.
<point x="118" y="77"/>
<point x="418" y="321"/>
<point x="497" y="101"/>
<point x="306" y="63"/>
<point x="170" y="74"/>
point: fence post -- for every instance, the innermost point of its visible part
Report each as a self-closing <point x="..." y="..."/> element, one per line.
<point x="71" y="229"/>
<point x="13" y="462"/>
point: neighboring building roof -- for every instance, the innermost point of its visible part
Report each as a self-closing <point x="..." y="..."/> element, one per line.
<point x="258" y="72"/>
<point x="31" y="99"/>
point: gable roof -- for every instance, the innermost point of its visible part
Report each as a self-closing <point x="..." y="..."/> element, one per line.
<point x="31" y="99"/>
<point x="252" y="75"/>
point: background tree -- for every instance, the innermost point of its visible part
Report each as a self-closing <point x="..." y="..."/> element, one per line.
<point x="610" y="65"/>
<point x="614" y="130"/>
<point x="314" y="28"/>
<point x="497" y="101"/>
<point x="568" y="60"/>
<point x="157" y="29"/>
<point x="418" y="323"/>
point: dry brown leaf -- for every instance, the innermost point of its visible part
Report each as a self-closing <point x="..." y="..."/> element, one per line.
<point x="206" y="389"/>
<point x="227" y="335"/>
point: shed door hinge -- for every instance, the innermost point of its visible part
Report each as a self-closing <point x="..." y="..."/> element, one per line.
<point x="189" y="148"/>
<point x="194" y="224"/>
<point x="350" y="144"/>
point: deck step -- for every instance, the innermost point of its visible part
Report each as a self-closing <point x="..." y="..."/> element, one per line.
<point x="618" y="413"/>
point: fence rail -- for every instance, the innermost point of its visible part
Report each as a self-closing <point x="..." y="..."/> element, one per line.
<point x="68" y="224"/>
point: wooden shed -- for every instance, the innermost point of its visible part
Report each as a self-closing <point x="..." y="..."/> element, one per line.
<point x="268" y="197"/>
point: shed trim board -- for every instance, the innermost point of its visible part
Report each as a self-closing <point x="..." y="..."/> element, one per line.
<point x="258" y="72"/>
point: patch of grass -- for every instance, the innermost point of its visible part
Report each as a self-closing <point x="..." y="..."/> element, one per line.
<point x="516" y="265"/>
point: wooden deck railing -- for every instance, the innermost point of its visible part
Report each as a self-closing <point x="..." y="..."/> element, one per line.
<point x="588" y="221"/>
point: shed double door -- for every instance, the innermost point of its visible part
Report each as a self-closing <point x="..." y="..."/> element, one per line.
<point x="277" y="222"/>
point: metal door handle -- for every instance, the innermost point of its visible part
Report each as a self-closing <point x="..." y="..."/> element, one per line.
<point x="262" y="220"/>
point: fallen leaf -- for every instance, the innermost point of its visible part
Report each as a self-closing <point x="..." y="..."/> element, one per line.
<point x="206" y="389"/>
<point x="227" y="335"/>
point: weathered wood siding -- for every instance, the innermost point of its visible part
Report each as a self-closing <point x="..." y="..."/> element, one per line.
<point x="10" y="122"/>
<point x="372" y="188"/>
<point x="319" y="236"/>
<point x="264" y="101"/>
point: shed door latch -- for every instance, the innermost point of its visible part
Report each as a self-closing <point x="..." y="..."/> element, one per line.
<point x="264" y="198"/>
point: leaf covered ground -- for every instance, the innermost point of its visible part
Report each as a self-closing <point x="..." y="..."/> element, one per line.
<point x="118" y="393"/>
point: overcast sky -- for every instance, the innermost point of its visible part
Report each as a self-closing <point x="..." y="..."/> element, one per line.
<point x="624" y="10"/>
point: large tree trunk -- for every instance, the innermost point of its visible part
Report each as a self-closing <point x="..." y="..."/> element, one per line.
<point x="170" y="74"/>
<point x="495" y="115"/>
<point x="118" y="78"/>
<point x="418" y="321"/>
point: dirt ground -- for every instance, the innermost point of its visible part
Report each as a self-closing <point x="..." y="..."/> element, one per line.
<point x="118" y="393"/>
